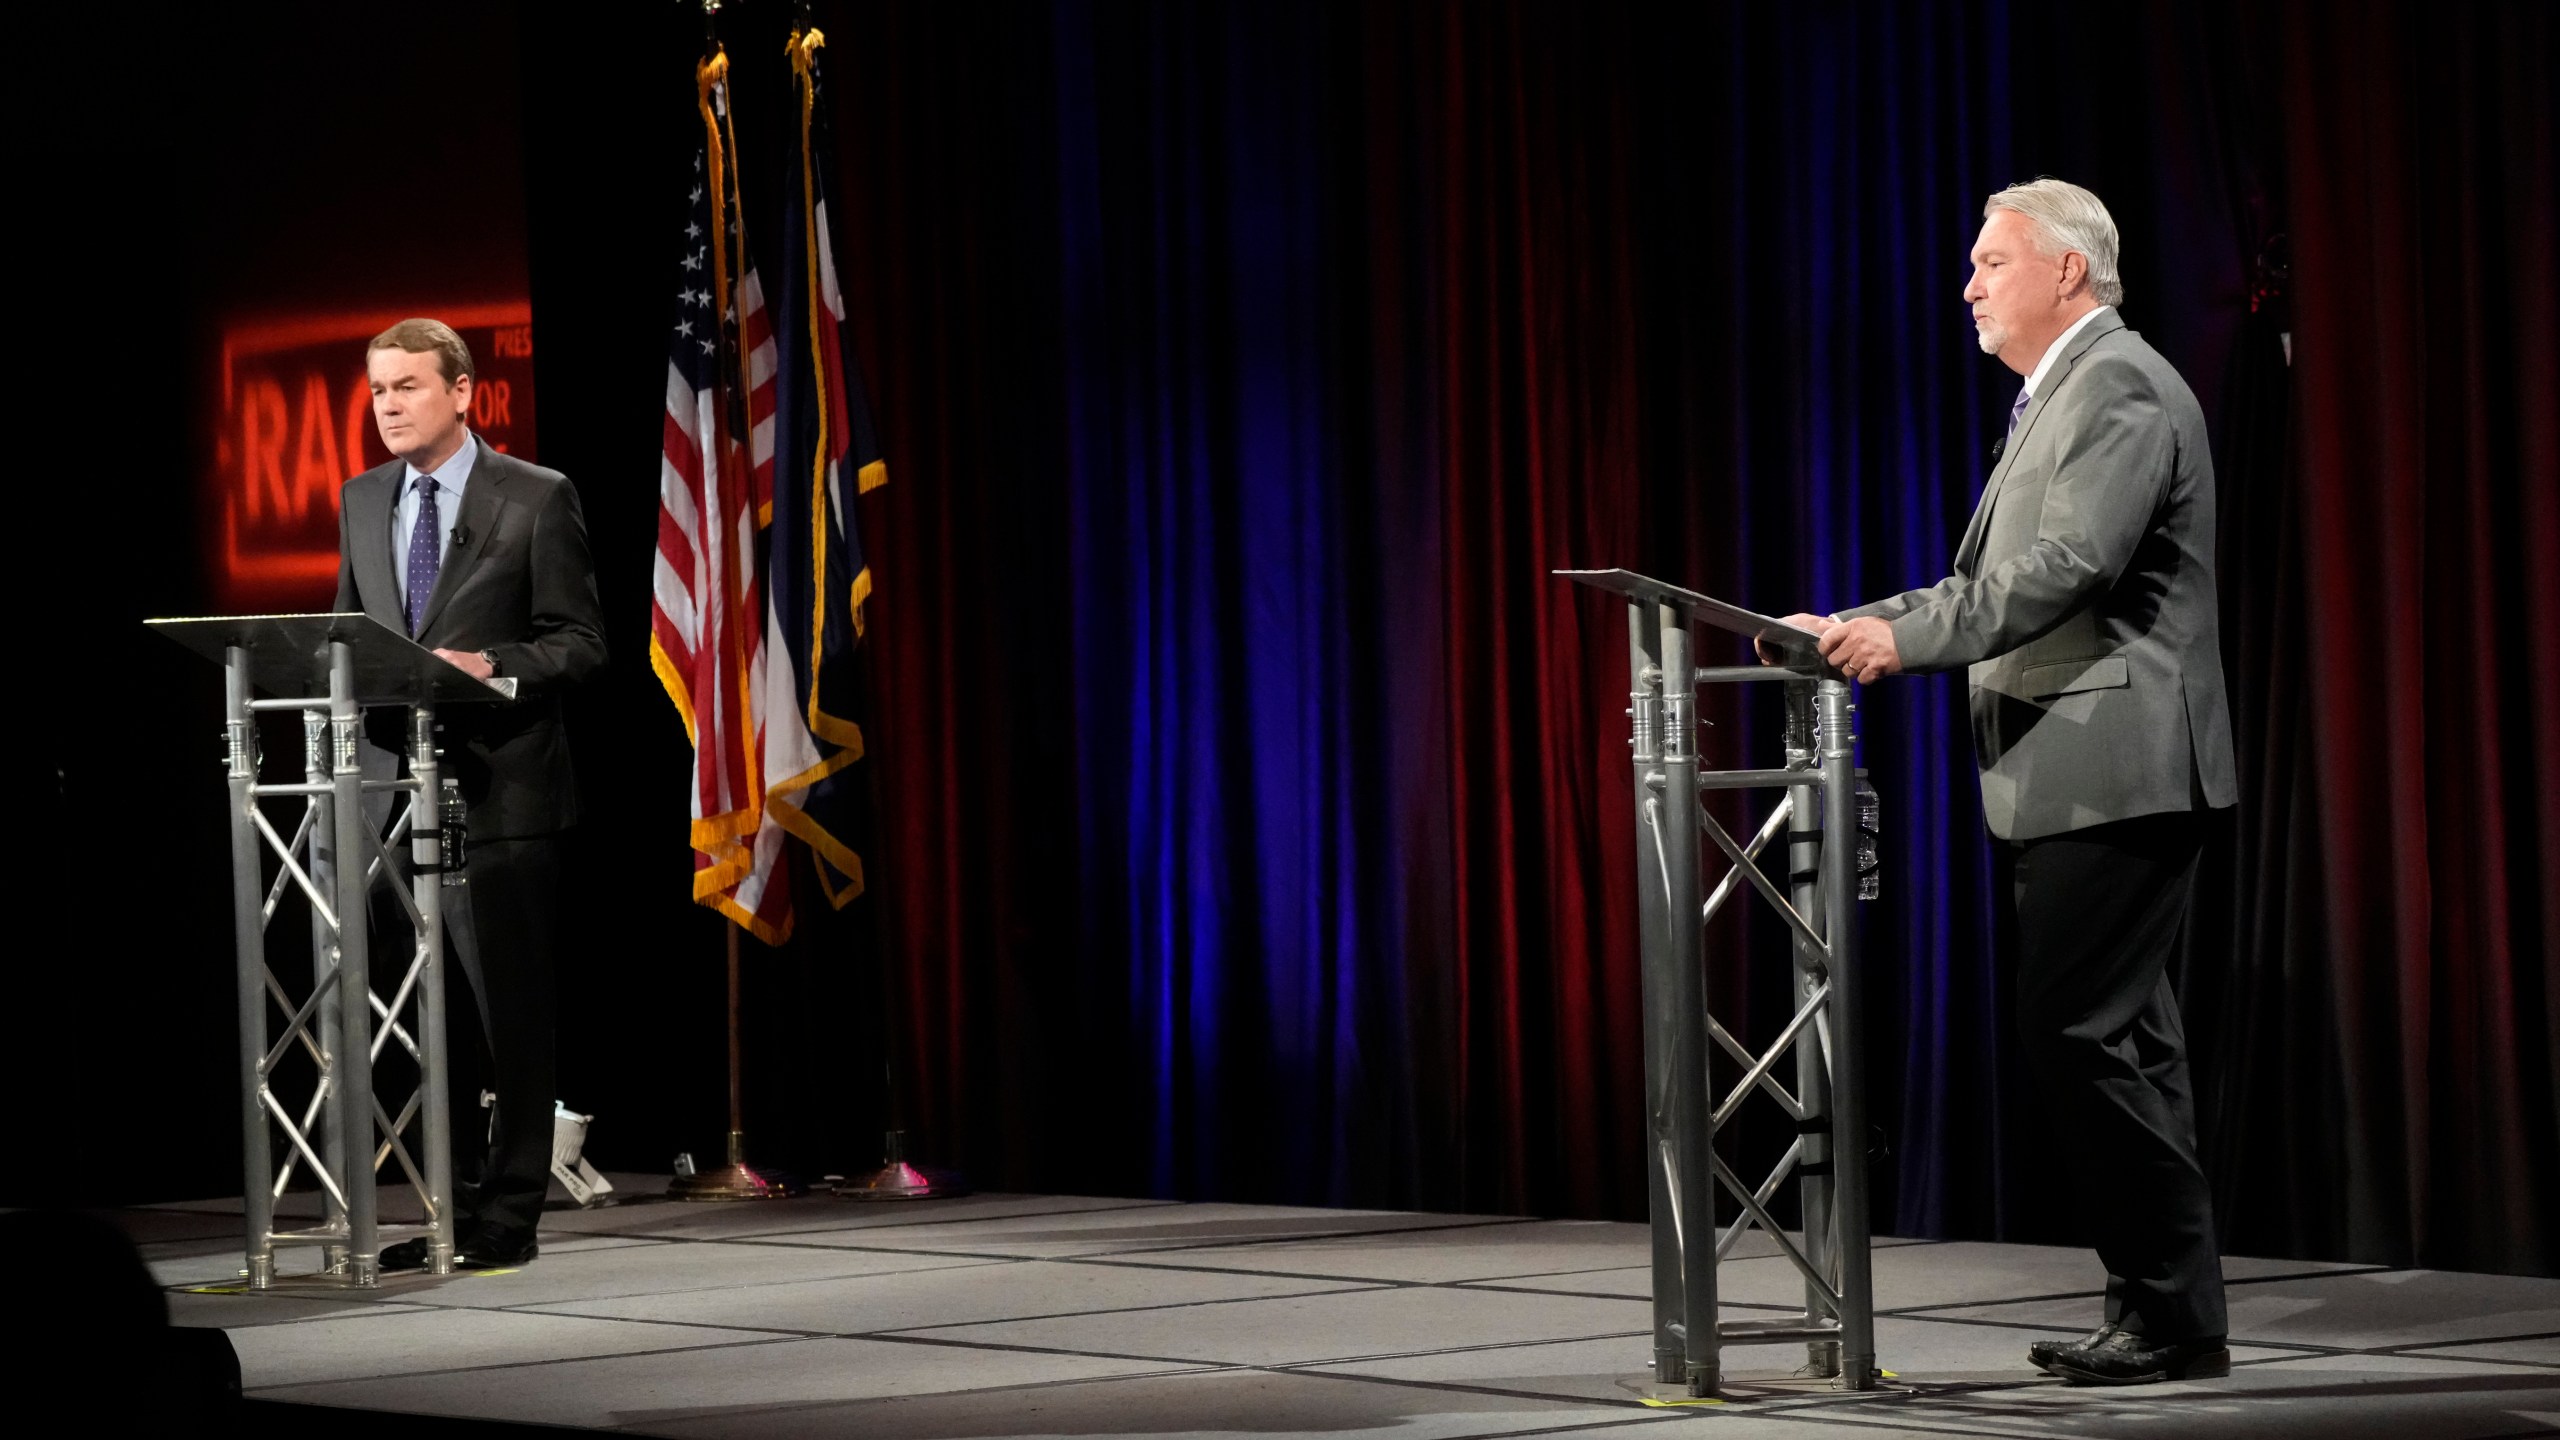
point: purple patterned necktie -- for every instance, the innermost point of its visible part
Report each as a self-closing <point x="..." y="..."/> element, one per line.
<point x="2018" y="408"/>
<point x="424" y="553"/>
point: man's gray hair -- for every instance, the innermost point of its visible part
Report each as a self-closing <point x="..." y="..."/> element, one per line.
<point x="2068" y="218"/>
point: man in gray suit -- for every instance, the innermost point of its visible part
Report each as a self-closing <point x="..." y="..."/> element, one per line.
<point x="2083" y="607"/>
<point x="483" y="559"/>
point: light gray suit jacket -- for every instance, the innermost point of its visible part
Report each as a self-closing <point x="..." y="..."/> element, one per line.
<point x="2083" y="602"/>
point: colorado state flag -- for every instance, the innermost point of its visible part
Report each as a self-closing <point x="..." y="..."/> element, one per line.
<point x="824" y="454"/>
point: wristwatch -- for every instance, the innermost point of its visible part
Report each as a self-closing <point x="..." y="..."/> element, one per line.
<point x="490" y="659"/>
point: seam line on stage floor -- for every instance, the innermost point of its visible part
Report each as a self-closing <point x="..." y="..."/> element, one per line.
<point x="1766" y="1405"/>
<point x="2423" y="1345"/>
<point x="1338" y="1288"/>
<point x="1585" y="1428"/>
<point x="428" y="1298"/>
<point x="1138" y="1260"/>
<point x="1488" y="1222"/>
<point x="975" y="1264"/>
<point x="1488" y="1283"/>
<point x="545" y="1362"/>
<point x="1276" y="1367"/>
<point x="1306" y="1369"/>
<point x="1461" y="1387"/>
<point x="1172" y="1367"/>
<point x="1835" y="1408"/>
<point x="832" y="1225"/>
<point x="1139" y="1252"/>
<point x="1920" y="1311"/>
<point x="782" y="1242"/>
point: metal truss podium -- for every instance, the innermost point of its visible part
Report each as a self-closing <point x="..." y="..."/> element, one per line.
<point x="1828" y="1161"/>
<point x="329" y="667"/>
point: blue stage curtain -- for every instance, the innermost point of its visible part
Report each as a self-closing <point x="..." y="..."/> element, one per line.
<point x="1368" y="322"/>
<point x="1257" y="799"/>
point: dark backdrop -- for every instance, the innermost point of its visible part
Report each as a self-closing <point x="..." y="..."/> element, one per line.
<point x="1252" y="793"/>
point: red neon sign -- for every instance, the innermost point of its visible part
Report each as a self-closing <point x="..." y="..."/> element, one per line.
<point x="296" y="423"/>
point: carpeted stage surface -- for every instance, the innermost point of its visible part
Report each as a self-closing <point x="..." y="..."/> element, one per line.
<point x="1032" y="1315"/>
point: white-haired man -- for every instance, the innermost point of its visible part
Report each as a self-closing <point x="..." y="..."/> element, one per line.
<point x="2083" y="605"/>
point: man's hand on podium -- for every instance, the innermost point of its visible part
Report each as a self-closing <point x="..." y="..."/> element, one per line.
<point x="1773" y="655"/>
<point x="1862" y="649"/>
<point x="468" y="662"/>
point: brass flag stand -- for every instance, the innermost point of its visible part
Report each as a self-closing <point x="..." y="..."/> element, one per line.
<point x="737" y="1180"/>
<point x="899" y="1180"/>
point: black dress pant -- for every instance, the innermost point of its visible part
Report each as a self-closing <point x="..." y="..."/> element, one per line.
<point x="505" y="948"/>
<point x="2099" y="913"/>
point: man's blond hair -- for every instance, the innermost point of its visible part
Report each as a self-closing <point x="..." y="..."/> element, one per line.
<point x="429" y="337"/>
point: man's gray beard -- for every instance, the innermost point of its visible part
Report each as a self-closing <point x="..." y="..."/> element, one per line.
<point x="1991" y="338"/>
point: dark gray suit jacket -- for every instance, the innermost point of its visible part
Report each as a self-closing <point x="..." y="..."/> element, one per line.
<point x="522" y="586"/>
<point x="2083" y="602"/>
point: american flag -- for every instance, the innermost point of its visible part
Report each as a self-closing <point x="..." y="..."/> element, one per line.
<point x="715" y="493"/>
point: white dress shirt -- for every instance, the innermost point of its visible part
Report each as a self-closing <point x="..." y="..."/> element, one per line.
<point x="2053" y="351"/>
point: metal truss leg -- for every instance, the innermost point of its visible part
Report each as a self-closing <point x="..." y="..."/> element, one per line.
<point x="1813" y="1071"/>
<point x="1653" y="921"/>
<point x="426" y="880"/>
<point x="1679" y="1110"/>
<point x="1848" y="1034"/>
<point x="354" y="1067"/>
<point x="249" y="940"/>
<point x="328" y="1023"/>
<point x="1690" y="1119"/>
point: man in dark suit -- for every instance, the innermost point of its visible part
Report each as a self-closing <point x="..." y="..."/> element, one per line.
<point x="2083" y="605"/>
<point x="483" y="559"/>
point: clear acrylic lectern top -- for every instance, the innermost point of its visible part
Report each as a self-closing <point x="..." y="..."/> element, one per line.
<point x="289" y="656"/>
<point x="1749" y="624"/>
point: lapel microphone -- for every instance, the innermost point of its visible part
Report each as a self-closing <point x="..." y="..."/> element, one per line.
<point x="1996" y="447"/>
<point x="462" y="533"/>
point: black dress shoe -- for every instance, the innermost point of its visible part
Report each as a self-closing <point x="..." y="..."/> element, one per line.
<point x="2041" y="1353"/>
<point x="496" y="1252"/>
<point x="478" y="1252"/>
<point x="2128" y="1359"/>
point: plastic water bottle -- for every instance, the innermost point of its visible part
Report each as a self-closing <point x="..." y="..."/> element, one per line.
<point x="1870" y="821"/>
<point x="455" y="818"/>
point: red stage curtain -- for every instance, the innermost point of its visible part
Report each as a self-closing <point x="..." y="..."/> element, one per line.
<point x="2424" y="627"/>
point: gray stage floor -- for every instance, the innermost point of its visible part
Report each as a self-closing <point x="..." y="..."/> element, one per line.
<point x="1029" y="1315"/>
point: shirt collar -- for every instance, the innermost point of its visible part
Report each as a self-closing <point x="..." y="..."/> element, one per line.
<point x="454" y="473"/>
<point x="2053" y="352"/>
